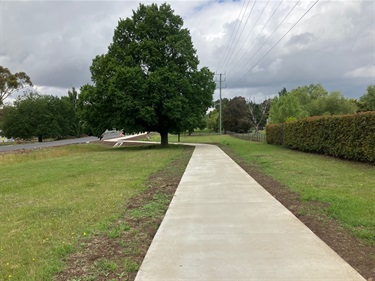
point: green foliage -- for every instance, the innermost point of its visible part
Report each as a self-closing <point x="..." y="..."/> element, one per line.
<point x="213" y="121"/>
<point x="275" y="134"/>
<point x="105" y="266"/>
<point x="312" y="100"/>
<point x="283" y="92"/>
<point x="10" y="83"/>
<point x="347" y="136"/>
<point x="259" y="113"/>
<point x="369" y="99"/>
<point x="285" y="107"/>
<point x="71" y="102"/>
<point x="331" y="104"/>
<point x="290" y="119"/>
<point x="236" y="116"/>
<point x="149" y="78"/>
<point x="35" y="115"/>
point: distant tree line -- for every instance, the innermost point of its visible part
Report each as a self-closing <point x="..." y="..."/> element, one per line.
<point x="314" y="100"/>
<point x="240" y="115"/>
<point x="41" y="116"/>
<point x="46" y="116"/>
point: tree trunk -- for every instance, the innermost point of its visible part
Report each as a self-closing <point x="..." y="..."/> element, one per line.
<point x="164" y="138"/>
<point x="40" y="138"/>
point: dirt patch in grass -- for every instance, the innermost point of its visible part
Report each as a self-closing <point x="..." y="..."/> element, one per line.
<point x="117" y="252"/>
<point x="358" y="254"/>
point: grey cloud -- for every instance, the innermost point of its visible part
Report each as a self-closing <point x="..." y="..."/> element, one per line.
<point x="301" y="39"/>
<point x="55" y="42"/>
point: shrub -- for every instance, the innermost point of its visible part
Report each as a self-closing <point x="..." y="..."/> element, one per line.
<point x="344" y="136"/>
<point x="275" y="134"/>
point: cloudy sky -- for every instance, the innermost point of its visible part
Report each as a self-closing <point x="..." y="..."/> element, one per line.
<point x="260" y="46"/>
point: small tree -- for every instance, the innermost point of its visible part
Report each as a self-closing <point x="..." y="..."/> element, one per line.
<point x="10" y="83"/>
<point x="259" y="112"/>
<point x="213" y="120"/>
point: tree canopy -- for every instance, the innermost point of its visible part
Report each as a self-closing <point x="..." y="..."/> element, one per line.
<point x="35" y="115"/>
<point x="369" y="99"/>
<point x="312" y="100"/>
<point x="236" y="116"/>
<point x="10" y="83"/>
<point x="149" y="78"/>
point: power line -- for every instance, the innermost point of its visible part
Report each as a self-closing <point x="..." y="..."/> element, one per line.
<point x="248" y="35"/>
<point x="264" y="26"/>
<point x="234" y="33"/>
<point x="278" y="41"/>
<point x="238" y="39"/>
<point x="288" y="14"/>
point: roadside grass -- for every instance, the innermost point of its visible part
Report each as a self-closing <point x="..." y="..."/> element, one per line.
<point x="53" y="198"/>
<point x="116" y="251"/>
<point x="347" y="187"/>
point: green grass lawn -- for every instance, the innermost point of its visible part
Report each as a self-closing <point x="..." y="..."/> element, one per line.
<point x="348" y="187"/>
<point x="51" y="198"/>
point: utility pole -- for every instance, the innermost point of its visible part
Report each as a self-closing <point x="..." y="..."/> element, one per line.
<point x="220" y="106"/>
<point x="220" y="121"/>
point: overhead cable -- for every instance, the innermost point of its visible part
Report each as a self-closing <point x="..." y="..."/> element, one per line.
<point x="248" y="35"/>
<point x="235" y="29"/>
<point x="278" y="41"/>
<point x="238" y="38"/>
<point x="236" y="62"/>
<point x="287" y="15"/>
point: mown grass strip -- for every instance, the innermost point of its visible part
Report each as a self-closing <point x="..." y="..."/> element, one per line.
<point x="51" y="198"/>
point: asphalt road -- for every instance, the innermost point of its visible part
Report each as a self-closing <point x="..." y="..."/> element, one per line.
<point x="36" y="145"/>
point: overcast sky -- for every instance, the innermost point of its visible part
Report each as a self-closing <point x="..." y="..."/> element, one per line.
<point x="54" y="42"/>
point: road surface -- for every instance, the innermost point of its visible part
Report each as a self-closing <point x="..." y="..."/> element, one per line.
<point x="108" y="135"/>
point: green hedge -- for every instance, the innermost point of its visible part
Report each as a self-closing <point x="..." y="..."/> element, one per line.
<point x="275" y="134"/>
<point x="344" y="136"/>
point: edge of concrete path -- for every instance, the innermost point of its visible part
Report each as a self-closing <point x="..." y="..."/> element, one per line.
<point x="355" y="275"/>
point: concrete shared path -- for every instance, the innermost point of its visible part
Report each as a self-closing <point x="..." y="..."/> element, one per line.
<point x="222" y="225"/>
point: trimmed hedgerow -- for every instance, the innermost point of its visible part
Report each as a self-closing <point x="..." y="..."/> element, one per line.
<point x="275" y="134"/>
<point x="344" y="136"/>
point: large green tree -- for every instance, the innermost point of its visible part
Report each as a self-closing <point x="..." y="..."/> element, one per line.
<point x="149" y="79"/>
<point x="236" y="116"/>
<point x="35" y="115"/>
<point x="10" y="83"/>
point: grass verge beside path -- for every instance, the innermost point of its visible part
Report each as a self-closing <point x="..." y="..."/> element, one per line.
<point x="117" y="251"/>
<point x="52" y="198"/>
<point x="347" y="187"/>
